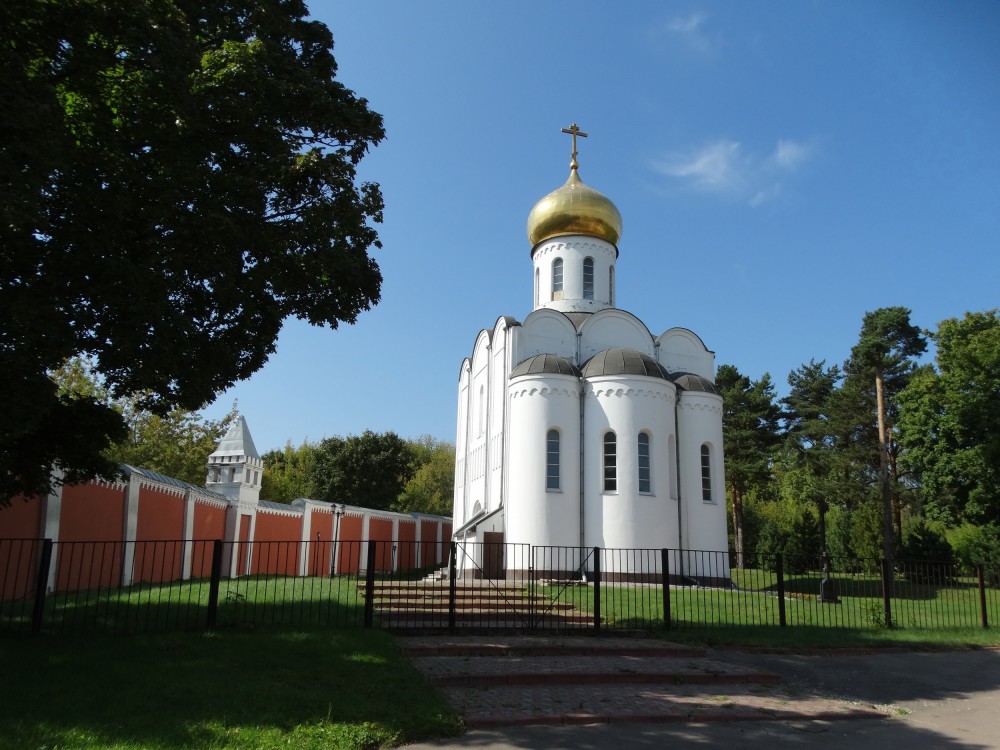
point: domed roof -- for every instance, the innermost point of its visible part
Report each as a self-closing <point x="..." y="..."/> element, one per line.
<point x="575" y="208"/>
<point x="623" y="362"/>
<point x="691" y="382"/>
<point x="549" y="364"/>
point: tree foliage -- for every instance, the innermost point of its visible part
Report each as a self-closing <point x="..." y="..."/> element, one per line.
<point x="950" y="421"/>
<point x="886" y="346"/>
<point x="369" y="470"/>
<point x="176" y="444"/>
<point x="750" y="420"/>
<point x="432" y="488"/>
<point x="288" y="473"/>
<point x="176" y="179"/>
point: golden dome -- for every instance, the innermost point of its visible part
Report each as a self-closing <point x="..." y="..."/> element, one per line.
<point x="574" y="208"/>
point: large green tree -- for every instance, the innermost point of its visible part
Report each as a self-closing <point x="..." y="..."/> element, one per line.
<point x="811" y="430"/>
<point x="750" y="419"/>
<point x="432" y="487"/>
<point x="887" y="345"/>
<point x="288" y="473"/>
<point x="177" y="177"/>
<point x="950" y="421"/>
<point x="370" y="470"/>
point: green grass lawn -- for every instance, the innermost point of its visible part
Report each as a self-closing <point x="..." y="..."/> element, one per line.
<point x="263" y="688"/>
<point x="755" y="603"/>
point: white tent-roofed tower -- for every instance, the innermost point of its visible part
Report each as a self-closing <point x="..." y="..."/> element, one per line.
<point x="577" y="427"/>
<point x="235" y="468"/>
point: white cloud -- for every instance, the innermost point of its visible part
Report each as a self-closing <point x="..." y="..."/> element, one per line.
<point x="687" y="25"/>
<point x="788" y="155"/>
<point x="714" y="167"/>
<point x="690" y="31"/>
<point x="725" y="167"/>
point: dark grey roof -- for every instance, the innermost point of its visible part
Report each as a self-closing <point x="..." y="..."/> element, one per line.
<point x="545" y="364"/>
<point x="163" y="479"/>
<point x="691" y="382"/>
<point x="623" y="362"/>
<point x="278" y="506"/>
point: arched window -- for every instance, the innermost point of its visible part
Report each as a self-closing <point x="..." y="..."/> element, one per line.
<point x="536" y="287"/>
<point x="552" y="460"/>
<point x="611" y="286"/>
<point x="645" y="473"/>
<point x="610" y="463"/>
<point x="588" y="278"/>
<point x="706" y="473"/>
<point x="557" y="279"/>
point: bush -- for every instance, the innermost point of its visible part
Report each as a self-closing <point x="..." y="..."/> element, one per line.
<point x="977" y="545"/>
<point x="925" y="543"/>
<point x="792" y="530"/>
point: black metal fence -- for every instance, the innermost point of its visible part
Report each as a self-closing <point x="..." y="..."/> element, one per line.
<point x="118" y="587"/>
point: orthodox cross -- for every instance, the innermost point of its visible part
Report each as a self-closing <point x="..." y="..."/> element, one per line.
<point x="574" y="130"/>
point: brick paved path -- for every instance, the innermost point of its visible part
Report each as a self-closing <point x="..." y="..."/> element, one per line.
<point x="516" y="680"/>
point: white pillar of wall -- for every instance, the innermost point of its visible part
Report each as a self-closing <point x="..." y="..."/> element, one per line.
<point x="188" y="541"/>
<point x="51" y="513"/>
<point x="230" y="541"/>
<point x="306" y="535"/>
<point x="395" y="542"/>
<point x="130" y="525"/>
<point x="363" y="562"/>
<point x="418" y="557"/>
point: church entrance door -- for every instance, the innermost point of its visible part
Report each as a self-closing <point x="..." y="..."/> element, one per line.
<point x="493" y="566"/>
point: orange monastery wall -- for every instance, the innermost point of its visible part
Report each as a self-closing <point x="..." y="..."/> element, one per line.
<point x="349" y="545"/>
<point x="159" y="536"/>
<point x="209" y="524"/>
<point x="428" y="544"/>
<point x="276" y="544"/>
<point x="380" y="530"/>
<point x="91" y="526"/>
<point x="22" y="519"/>
<point x="406" y="556"/>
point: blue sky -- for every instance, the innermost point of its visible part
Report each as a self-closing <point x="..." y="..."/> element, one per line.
<point x="781" y="168"/>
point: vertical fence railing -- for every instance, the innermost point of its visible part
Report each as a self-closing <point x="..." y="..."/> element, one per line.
<point x="159" y="585"/>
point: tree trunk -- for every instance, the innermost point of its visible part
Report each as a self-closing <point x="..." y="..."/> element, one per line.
<point x="883" y="469"/>
<point x="738" y="539"/>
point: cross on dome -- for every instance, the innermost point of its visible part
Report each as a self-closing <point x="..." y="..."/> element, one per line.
<point x="574" y="130"/>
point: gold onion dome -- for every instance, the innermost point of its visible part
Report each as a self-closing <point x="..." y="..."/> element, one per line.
<point x="575" y="208"/>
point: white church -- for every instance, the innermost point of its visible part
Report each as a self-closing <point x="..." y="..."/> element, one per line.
<point x="578" y="427"/>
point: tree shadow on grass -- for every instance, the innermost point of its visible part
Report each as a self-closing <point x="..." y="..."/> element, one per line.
<point x="233" y="688"/>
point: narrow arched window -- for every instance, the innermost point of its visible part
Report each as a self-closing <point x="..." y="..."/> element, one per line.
<point x="706" y="473"/>
<point x="645" y="472"/>
<point x="557" y="278"/>
<point x="536" y="287"/>
<point x="552" y="460"/>
<point x="610" y="463"/>
<point x="611" y="286"/>
<point x="588" y="278"/>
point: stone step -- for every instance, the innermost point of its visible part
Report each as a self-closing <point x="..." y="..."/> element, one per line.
<point x="485" y="618"/>
<point x="389" y="605"/>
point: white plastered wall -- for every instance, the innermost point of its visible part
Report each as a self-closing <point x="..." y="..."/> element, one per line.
<point x="626" y="518"/>
<point x="573" y="250"/>
<point x="699" y="419"/>
<point x="681" y="350"/>
<point x="539" y="403"/>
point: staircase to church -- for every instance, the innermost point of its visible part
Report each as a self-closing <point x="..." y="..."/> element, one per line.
<point x="478" y="604"/>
